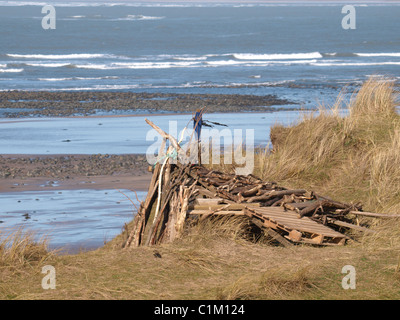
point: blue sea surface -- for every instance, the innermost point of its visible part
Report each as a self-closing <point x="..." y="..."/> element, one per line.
<point x="297" y="51"/>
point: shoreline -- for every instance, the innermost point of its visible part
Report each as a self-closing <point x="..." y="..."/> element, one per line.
<point x="133" y="183"/>
<point x="144" y="114"/>
<point x="23" y="172"/>
<point x="23" y="104"/>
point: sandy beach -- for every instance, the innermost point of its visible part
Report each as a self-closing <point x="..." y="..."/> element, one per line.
<point x="15" y="104"/>
<point x="65" y="172"/>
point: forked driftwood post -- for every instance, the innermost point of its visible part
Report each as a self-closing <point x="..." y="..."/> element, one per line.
<point x="161" y="217"/>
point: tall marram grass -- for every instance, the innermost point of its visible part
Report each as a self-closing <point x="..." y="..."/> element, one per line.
<point x="352" y="158"/>
<point x="19" y="248"/>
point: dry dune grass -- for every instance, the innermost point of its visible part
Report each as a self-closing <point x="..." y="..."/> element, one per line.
<point x="19" y="248"/>
<point x="353" y="158"/>
<point x="20" y="256"/>
<point x="208" y="263"/>
<point x="271" y="284"/>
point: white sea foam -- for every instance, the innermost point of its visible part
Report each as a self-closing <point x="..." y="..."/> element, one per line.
<point x="54" y="79"/>
<point x="48" y="65"/>
<point x="380" y="54"/>
<point x="94" y="66"/>
<point x="191" y="59"/>
<point x="78" y="78"/>
<point x="195" y="84"/>
<point x="260" y="63"/>
<point x="277" y="56"/>
<point x="11" y="70"/>
<point x="189" y="63"/>
<point x="100" y="87"/>
<point x="140" y="17"/>
<point x="159" y="65"/>
<point x="139" y="65"/>
<point x="95" y="78"/>
<point x="349" y="64"/>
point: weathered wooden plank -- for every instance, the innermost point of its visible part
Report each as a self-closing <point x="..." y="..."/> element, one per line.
<point x="222" y="212"/>
<point x="350" y="226"/>
<point x="375" y="215"/>
<point x="233" y="206"/>
<point x="205" y="192"/>
<point x="290" y="221"/>
<point x="298" y="205"/>
<point x="275" y="193"/>
<point x="333" y="242"/>
<point x="317" y="238"/>
<point x="295" y="235"/>
<point x="208" y="201"/>
<point x="272" y="233"/>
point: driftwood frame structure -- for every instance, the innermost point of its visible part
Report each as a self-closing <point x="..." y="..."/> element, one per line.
<point x="178" y="191"/>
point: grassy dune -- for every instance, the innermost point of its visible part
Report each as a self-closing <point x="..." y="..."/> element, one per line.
<point x="352" y="158"/>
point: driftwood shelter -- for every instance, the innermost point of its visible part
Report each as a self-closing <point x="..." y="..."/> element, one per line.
<point x="180" y="192"/>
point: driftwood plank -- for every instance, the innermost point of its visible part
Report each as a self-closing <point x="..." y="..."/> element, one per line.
<point x="284" y="221"/>
<point x="222" y="212"/>
<point x="272" y="233"/>
<point x="275" y="193"/>
<point x="350" y="225"/>
<point x="208" y="201"/>
<point x="165" y="135"/>
<point x="232" y="206"/>
<point x="375" y="215"/>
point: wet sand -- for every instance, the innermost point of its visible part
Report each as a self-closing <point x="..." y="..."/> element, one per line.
<point x="134" y="183"/>
<point x="67" y="172"/>
<point x="15" y="104"/>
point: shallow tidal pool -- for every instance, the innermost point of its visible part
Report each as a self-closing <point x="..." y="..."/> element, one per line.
<point x="70" y="219"/>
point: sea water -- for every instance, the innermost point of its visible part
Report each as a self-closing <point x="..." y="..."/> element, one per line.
<point x="299" y="51"/>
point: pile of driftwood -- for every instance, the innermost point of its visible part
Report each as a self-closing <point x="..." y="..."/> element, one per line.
<point x="179" y="191"/>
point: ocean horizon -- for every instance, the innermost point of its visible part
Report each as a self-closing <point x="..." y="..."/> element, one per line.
<point x="298" y="51"/>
